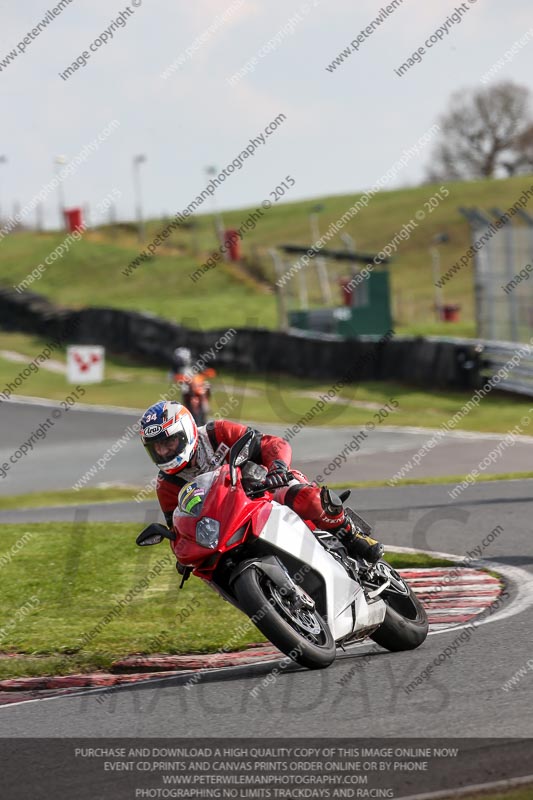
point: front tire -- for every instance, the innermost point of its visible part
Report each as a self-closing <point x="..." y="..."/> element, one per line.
<point x="302" y="635"/>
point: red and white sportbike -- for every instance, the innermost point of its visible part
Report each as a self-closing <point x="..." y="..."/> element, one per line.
<point x="297" y="584"/>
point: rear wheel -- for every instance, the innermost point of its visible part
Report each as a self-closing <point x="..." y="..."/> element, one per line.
<point x="405" y="626"/>
<point x="296" y="630"/>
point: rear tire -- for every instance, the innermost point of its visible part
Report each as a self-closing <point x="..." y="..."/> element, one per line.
<point x="256" y="595"/>
<point x="405" y="626"/>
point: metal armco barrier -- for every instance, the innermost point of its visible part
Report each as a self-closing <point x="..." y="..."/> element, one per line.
<point x="520" y="378"/>
<point x="431" y="362"/>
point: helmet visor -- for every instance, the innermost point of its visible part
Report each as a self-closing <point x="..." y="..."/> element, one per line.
<point x="164" y="450"/>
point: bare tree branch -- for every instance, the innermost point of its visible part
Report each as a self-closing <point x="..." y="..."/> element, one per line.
<point x="485" y="133"/>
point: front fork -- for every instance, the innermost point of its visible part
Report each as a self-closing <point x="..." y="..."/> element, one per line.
<point x="272" y="567"/>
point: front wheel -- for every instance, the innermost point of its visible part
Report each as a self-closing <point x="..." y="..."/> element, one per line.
<point x="297" y="631"/>
<point x="405" y="626"/>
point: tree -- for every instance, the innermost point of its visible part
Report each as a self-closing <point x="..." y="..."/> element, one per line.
<point x="524" y="151"/>
<point x="484" y="134"/>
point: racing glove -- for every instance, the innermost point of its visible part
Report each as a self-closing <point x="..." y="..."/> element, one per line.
<point x="278" y="475"/>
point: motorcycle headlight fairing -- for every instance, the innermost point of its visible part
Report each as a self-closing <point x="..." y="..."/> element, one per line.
<point x="207" y="532"/>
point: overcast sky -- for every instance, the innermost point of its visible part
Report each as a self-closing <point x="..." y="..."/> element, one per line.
<point x="343" y="129"/>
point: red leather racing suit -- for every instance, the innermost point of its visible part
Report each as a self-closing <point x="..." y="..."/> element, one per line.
<point x="214" y="442"/>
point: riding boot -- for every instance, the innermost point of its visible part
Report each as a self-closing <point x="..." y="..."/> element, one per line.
<point x="338" y="522"/>
<point x="357" y="544"/>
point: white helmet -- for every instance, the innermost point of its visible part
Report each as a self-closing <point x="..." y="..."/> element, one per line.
<point x="182" y="356"/>
<point x="169" y="435"/>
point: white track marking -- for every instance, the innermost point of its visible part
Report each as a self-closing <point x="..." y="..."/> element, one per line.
<point x="151" y="681"/>
<point x="17" y="399"/>
<point x="452" y="434"/>
<point x="52" y="365"/>
<point x="43" y="401"/>
<point x="520" y="577"/>
<point x="523" y="601"/>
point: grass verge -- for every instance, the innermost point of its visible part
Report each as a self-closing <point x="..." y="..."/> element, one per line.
<point x="525" y="793"/>
<point x="429" y="481"/>
<point x="60" y="582"/>
<point x="67" y="497"/>
<point x="91" y="273"/>
<point x="116" y="494"/>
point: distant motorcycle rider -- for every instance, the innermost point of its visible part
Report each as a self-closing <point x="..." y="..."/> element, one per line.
<point x="181" y="360"/>
<point x="194" y="384"/>
<point x="182" y="451"/>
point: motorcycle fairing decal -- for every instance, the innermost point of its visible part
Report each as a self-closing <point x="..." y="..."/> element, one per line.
<point x="189" y="497"/>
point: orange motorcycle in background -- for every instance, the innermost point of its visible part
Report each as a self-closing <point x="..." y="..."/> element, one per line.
<point x="196" y="392"/>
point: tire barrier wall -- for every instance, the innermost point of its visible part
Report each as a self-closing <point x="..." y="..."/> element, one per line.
<point x="431" y="363"/>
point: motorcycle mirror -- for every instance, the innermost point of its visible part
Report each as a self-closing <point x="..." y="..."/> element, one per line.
<point x="156" y="539"/>
<point x="154" y="534"/>
<point x="239" y="453"/>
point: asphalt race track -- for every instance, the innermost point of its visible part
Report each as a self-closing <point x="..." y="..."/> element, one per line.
<point x="81" y="437"/>
<point x="364" y="693"/>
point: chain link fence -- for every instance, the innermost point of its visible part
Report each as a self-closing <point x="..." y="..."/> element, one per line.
<point x="503" y="267"/>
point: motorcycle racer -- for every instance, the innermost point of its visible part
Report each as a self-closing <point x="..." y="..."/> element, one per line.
<point x="182" y="451"/>
<point x="194" y="385"/>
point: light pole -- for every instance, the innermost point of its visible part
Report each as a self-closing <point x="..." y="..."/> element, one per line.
<point x="283" y="317"/>
<point x="137" y="161"/>
<point x="349" y="242"/>
<point x="3" y="160"/>
<point x="217" y="216"/>
<point x="440" y="238"/>
<point x="58" y="161"/>
<point x="325" y="288"/>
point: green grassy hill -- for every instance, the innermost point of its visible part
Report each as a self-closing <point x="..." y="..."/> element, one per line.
<point x="90" y="273"/>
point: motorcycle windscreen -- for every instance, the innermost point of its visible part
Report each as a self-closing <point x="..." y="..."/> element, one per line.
<point x="192" y="497"/>
<point x="210" y="516"/>
<point x="191" y="502"/>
